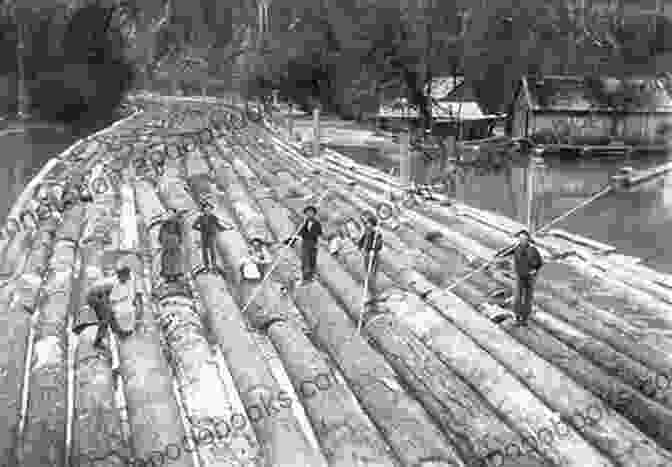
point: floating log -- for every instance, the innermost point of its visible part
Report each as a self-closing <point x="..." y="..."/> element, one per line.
<point x="652" y="418"/>
<point x="438" y="387"/>
<point x="280" y="434"/>
<point x="149" y="404"/>
<point x="97" y="426"/>
<point x="17" y="323"/>
<point x="620" y="425"/>
<point x="344" y="431"/>
<point x="551" y="453"/>
<point x="44" y="433"/>
<point x="198" y="375"/>
<point x="359" y="363"/>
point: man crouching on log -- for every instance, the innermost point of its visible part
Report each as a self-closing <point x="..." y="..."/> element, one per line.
<point x="527" y="262"/>
<point x="103" y="297"/>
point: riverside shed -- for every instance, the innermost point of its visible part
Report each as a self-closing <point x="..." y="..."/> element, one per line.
<point x="592" y="110"/>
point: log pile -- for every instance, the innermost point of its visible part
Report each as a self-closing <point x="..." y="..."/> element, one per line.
<point x="221" y="370"/>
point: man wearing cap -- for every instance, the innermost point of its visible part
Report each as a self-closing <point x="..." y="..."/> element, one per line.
<point x="527" y="262"/>
<point x="209" y="225"/>
<point x="310" y="233"/>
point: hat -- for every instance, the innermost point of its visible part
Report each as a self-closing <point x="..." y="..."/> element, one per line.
<point x="310" y="208"/>
<point x="524" y="231"/>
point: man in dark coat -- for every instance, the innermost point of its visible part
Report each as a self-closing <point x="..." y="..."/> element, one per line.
<point x="527" y="262"/>
<point x="370" y="244"/>
<point x="170" y="237"/>
<point x="209" y="225"/>
<point x="310" y="233"/>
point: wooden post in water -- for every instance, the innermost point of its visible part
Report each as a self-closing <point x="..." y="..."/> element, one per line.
<point x="405" y="159"/>
<point x="316" y="132"/>
<point x="290" y="121"/>
<point x="530" y="195"/>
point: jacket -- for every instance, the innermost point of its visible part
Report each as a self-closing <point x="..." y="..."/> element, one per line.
<point x="310" y="235"/>
<point x="526" y="260"/>
<point x="208" y="224"/>
<point x="371" y="240"/>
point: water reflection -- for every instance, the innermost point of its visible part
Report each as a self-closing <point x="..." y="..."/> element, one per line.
<point x="637" y="222"/>
<point x="24" y="152"/>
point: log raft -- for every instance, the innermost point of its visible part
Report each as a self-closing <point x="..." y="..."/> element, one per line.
<point x="431" y="380"/>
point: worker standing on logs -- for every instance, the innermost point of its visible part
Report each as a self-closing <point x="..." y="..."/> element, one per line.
<point x="370" y="244"/>
<point x="170" y="238"/>
<point x="527" y="262"/>
<point x="310" y="233"/>
<point x="209" y="225"/>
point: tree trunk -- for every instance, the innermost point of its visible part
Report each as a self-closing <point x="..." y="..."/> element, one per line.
<point x="565" y="452"/>
<point x="476" y="324"/>
<point x="198" y="374"/>
<point x="98" y="424"/>
<point x="279" y="433"/>
<point x="16" y="324"/>
<point x="359" y="363"/>
<point x="435" y="384"/>
<point x="155" y="404"/>
<point x="333" y="410"/>
<point x="44" y="433"/>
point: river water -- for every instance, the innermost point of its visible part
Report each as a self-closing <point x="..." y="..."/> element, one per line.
<point x="637" y="222"/>
<point x="23" y="153"/>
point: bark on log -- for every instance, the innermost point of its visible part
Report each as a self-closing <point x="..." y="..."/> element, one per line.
<point x="423" y="222"/>
<point x="199" y="380"/>
<point x="14" y="255"/>
<point x="621" y="354"/>
<point x="551" y="452"/>
<point x="279" y="433"/>
<point x="646" y="297"/>
<point x="16" y="323"/>
<point x="154" y="415"/>
<point x="330" y="210"/>
<point x="617" y="421"/>
<point x="43" y="439"/>
<point x="329" y="337"/>
<point x="654" y="419"/>
<point x="345" y="433"/>
<point x="97" y="423"/>
<point x="464" y="416"/>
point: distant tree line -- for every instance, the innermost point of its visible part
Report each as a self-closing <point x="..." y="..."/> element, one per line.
<point x="344" y="55"/>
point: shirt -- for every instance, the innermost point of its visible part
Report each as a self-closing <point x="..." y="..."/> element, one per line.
<point x="527" y="260"/>
<point x="371" y="240"/>
<point x="311" y="231"/>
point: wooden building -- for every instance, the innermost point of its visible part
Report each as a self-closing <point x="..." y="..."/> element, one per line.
<point x="454" y="106"/>
<point x="594" y="111"/>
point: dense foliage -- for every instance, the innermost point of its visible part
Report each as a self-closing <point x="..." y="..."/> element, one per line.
<point x="82" y="55"/>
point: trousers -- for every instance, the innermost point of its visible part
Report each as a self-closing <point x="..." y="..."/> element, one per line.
<point x="372" y="271"/>
<point x="208" y="251"/>
<point x="523" y="302"/>
<point x="105" y="317"/>
<point x="308" y="260"/>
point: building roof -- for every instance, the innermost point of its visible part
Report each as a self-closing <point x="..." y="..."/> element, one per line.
<point x="443" y="86"/>
<point x="444" y="110"/>
<point x="451" y="96"/>
<point x="575" y="93"/>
